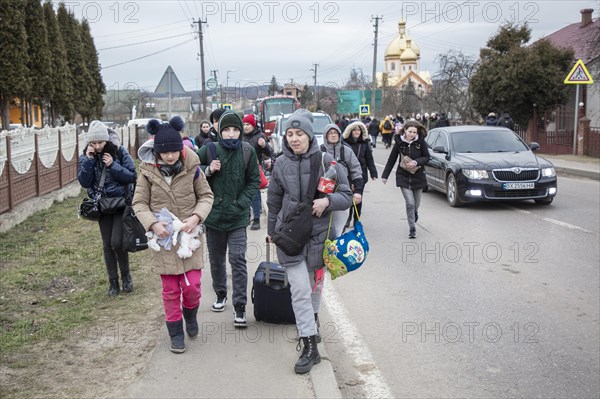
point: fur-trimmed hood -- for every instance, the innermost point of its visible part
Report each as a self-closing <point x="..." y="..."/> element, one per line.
<point x="350" y="127"/>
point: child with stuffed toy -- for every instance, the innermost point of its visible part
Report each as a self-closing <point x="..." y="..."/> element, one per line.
<point x="170" y="178"/>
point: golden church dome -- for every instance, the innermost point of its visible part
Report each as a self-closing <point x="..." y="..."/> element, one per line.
<point x="397" y="47"/>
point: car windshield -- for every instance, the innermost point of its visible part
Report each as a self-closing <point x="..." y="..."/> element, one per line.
<point x="275" y="107"/>
<point x="487" y="141"/>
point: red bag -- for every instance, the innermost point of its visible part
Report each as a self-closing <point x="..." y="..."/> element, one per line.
<point x="264" y="182"/>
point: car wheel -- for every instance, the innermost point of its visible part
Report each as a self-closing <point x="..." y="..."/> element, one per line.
<point x="452" y="192"/>
<point x="544" y="201"/>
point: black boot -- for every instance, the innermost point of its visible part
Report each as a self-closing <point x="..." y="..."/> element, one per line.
<point x="127" y="282"/>
<point x="191" y="322"/>
<point x="177" y="337"/>
<point x="255" y="224"/>
<point x="309" y="357"/>
<point x="318" y="336"/>
<point x="113" y="286"/>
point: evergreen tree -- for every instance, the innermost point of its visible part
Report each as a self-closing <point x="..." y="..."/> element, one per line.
<point x="96" y="85"/>
<point x="14" y="74"/>
<point x="38" y="63"/>
<point x="79" y="75"/>
<point x="512" y="77"/>
<point x="61" y="94"/>
<point x="273" y="86"/>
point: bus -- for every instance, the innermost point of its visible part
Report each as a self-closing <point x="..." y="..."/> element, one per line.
<point x="268" y="108"/>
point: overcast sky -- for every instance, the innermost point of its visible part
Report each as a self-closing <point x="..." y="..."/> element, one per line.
<point x="256" y="40"/>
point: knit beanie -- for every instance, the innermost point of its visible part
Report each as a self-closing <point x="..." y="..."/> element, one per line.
<point x="250" y="119"/>
<point x="301" y="119"/>
<point x="167" y="137"/>
<point x="97" y="132"/>
<point x="230" y="119"/>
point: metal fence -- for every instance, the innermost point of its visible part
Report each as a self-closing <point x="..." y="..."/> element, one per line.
<point x="34" y="162"/>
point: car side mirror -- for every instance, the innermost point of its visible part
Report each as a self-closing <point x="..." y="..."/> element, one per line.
<point x="534" y="146"/>
<point x="441" y="149"/>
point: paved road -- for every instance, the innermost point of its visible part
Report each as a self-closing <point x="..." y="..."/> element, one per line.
<point x="491" y="300"/>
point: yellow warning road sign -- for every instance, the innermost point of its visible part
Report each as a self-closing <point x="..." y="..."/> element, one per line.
<point x="579" y="75"/>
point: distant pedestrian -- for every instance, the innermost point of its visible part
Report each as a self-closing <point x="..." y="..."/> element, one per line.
<point x="102" y="157"/>
<point x="374" y="131"/>
<point x="443" y="120"/>
<point x="411" y="144"/>
<point x="204" y="134"/>
<point x="387" y="129"/>
<point x="170" y="177"/>
<point x="287" y="189"/>
<point x="505" y="120"/>
<point x="357" y="138"/>
<point x="257" y="139"/>
<point x="491" y="119"/>
<point x="234" y="183"/>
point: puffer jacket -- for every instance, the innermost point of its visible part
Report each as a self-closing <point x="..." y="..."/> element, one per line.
<point x="252" y="139"/>
<point x="290" y="175"/>
<point x="386" y="131"/>
<point x="119" y="175"/>
<point x="417" y="151"/>
<point x="233" y="186"/>
<point x="188" y="194"/>
<point x="362" y="149"/>
<point x="350" y="162"/>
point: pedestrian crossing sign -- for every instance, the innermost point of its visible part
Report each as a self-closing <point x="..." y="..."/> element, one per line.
<point x="227" y="107"/>
<point x="365" y="109"/>
<point x="579" y="75"/>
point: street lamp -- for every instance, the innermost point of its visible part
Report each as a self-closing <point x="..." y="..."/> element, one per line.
<point x="150" y="108"/>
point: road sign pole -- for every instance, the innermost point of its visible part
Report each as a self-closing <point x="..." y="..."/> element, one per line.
<point x="576" y="117"/>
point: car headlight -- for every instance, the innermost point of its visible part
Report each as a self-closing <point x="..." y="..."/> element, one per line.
<point x="475" y="174"/>
<point x="548" y="172"/>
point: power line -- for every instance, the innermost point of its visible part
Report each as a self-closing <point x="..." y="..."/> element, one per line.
<point x="149" y="55"/>
<point x="146" y="41"/>
<point x="139" y="30"/>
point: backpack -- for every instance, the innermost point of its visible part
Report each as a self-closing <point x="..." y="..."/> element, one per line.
<point x="387" y="125"/>
<point x="212" y="152"/>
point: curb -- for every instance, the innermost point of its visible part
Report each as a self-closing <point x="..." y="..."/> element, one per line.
<point x="323" y="377"/>
<point x="589" y="174"/>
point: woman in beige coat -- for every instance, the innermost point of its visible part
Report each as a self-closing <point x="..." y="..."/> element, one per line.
<point x="170" y="177"/>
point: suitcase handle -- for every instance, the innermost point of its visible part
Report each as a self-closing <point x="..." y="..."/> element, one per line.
<point x="268" y="269"/>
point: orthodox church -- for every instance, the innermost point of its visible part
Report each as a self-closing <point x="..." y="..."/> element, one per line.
<point x="401" y="63"/>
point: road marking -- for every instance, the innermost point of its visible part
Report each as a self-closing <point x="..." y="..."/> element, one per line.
<point x="550" y="220"/>
<point x="355" y="346"/>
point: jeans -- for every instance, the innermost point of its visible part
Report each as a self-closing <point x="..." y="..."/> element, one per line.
<point x="256" y="205"/>
<point x="236" y="241"/>
<point x="413" y="200"/>
<point x="111" y="230"/>
<point x="176" y="291"/>
<point x="306" y="290"/>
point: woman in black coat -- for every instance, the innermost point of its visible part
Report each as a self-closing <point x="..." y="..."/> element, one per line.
<point x="356" y="137"/>
<point x="412" y="181"/>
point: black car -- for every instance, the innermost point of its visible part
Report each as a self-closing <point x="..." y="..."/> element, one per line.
<point x="487" y="163"/>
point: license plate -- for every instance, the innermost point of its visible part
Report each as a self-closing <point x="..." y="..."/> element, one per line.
<point x="517" y="186"/>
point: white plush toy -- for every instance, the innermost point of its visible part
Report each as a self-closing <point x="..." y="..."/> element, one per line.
<point x="188" y="242"/>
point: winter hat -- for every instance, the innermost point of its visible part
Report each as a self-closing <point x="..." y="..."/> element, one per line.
<point x="216" y="114"/>
<point x="97" y="132"/>
<point x="491" y="114"/>
<point x="250" y="119"/>
<point x="230" y="119"/>
<point x="301" y="119"/>
<point x="167" y="137"/>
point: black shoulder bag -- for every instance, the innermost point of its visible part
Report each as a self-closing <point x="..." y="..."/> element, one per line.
<point x="296" y="228"/>
<point x="92" y="209"/>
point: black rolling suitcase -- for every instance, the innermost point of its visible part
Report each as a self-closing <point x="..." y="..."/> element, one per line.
<point x="271" y="293"/>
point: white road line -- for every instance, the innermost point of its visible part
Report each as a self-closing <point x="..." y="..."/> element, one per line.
<point x="550" y="220"/>
<point x="354" y="345"/>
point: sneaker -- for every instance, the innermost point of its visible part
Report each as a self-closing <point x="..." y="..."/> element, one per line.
<point x="219" y="304"/>
<point x="255" y="224"/>
<point x="239" y="316"/>
<point x="412" y="233"/>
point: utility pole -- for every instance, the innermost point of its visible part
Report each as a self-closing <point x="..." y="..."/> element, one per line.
<point x="374" y="86"/>
<point x="204" y="108"/>
<point x="214" y="73"/>
<point x="315" y="85"/>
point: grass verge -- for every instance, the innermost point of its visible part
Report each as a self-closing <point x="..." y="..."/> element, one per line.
<point x="57" y="325"/>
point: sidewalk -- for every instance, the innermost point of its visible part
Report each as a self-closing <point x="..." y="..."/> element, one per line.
<point x="225" y="362"/>
<point x="581" y="166"/>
